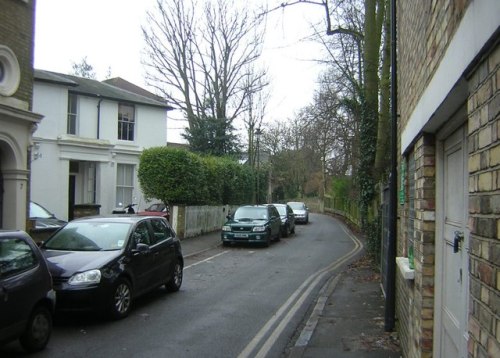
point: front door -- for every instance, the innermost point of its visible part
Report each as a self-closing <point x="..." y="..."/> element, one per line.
<point x="452" y="273"/>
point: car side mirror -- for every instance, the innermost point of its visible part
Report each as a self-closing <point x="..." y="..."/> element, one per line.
<point x="228" y="217"/>
<point x="141" y="249"/>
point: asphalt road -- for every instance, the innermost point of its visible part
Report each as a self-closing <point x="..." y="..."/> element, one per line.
<point x="235" y="302"/>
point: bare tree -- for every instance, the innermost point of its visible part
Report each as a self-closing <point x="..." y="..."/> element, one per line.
<point x="255" y="104"/>
<point x="202" y="61"/>
<point x="83" y="69"/>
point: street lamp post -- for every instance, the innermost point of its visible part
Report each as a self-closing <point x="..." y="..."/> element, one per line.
<point x="258" y="133"/>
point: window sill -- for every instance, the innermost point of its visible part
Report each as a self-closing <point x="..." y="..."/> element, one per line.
<point x="404" y="268"/>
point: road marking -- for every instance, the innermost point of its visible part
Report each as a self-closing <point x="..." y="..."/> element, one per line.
<point x="309" y="284"/>
<point x="313" y="320"/>
<point x="207" y="259"/>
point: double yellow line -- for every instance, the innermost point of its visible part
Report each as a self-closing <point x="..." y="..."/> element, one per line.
<point x="286" y="312"/>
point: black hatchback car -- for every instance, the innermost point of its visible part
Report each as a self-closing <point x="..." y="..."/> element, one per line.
<point x="26" y="296"/>
<point x="103" y="263"/>
<point x="252" y="224"/>
<point x="287" y="219"/>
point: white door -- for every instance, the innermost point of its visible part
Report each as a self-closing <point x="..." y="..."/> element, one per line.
<point x="452" y="273"/>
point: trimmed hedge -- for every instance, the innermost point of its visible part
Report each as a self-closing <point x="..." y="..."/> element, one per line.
<point x="177" y="176"/>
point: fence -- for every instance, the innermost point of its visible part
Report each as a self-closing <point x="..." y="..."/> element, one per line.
<point x="344" y="207"/>
<point x="190" y="221"/>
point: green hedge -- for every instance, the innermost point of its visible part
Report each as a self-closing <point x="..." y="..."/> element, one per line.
<point x="177" y="176"/>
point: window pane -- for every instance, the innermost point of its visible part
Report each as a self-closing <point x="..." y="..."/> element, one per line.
<point x="124" y="184"/>
<point x="72" y="113"/>
<point x="126" y="122"/>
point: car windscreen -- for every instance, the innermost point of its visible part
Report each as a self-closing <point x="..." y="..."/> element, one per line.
<point x="297" y="206"/>
<point x="90" y="236"/>
<point x="250" y="213"/>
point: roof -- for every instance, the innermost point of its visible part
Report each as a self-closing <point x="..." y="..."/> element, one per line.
<point x="116" y="218"/>
<point x="129" y="86"/>
<point x="94" y="88"/>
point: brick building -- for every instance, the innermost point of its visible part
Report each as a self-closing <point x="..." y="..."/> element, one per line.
<point x="17" y="121"/>
<point x="449" y="214"/>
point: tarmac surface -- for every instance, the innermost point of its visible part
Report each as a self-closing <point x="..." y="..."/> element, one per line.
<point x="347" y="319"/>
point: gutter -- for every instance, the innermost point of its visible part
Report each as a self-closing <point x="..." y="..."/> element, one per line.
<point x="99" y="116"/>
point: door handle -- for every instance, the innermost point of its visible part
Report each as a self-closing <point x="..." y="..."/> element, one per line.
<point x="4" y="296"/>
<point x="459" y="236"/>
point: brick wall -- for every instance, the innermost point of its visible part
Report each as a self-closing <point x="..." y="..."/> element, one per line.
<point x="17" y="33"/>
<point x="415" y="299"/>
<point x="484" y="207"/>
<point x="425" y="29"/>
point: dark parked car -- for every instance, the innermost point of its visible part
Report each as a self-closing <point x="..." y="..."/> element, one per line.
<point x="26" y="296"/>
<point x="252" y="224"/>
<point x="300" y="210"/>
<point x="287" y="219"/>
<point x="43" y="218"/>
<point x="103" y="263"/>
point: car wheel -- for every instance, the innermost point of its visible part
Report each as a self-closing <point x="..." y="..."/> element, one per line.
<point x="175" y="282"/>
<point x="121" y="301"/>
<point x="286" y="233"/>
<point x="267" y="243"/>
<point x="278" y="237"/>
<point x="38" y="330"/>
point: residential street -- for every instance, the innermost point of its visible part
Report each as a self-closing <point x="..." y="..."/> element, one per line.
<point x="234" y="302"/>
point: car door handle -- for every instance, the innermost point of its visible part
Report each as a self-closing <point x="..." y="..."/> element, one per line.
<point x="4" y="296"/>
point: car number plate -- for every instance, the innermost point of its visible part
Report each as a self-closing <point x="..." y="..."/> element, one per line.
<point x="240" y="235"/>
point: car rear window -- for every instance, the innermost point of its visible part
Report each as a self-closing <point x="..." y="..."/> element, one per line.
<point x="16" y="256"/>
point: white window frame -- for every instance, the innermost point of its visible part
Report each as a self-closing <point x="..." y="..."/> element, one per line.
<point x="126" y="122"/>
<point x="72" y="119"/>
<point x="124" y="184"/>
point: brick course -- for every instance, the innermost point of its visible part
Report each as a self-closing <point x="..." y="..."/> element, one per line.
<point x="17" y="33"/>
<point x="484" y="207"/>
<point x="425" y="29"/>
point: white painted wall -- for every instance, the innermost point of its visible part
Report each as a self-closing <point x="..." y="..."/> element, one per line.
<point x="50" y="170"/>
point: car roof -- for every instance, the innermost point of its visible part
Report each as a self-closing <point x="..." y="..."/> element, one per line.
<point x="130" y="219"/>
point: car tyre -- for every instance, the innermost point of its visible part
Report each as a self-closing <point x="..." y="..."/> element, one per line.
<point x="175" y="282"/>
<point x="38" y="330"/>
<point x="121" y="301"/>
<point x="267" y="243"/>
<point x="278" y="237"/>
<point x="286" y="233"/>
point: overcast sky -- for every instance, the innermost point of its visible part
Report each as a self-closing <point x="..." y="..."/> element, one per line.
<point x="108" y="33"/>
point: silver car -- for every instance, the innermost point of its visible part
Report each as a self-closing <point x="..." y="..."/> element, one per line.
<point x="300" y="210"/>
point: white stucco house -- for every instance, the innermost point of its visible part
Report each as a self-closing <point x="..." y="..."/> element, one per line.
<point x="86" y="150"/>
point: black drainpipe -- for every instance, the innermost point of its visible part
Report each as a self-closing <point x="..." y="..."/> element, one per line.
<point x="390" y="299"/>
<point x="98" y="116"/>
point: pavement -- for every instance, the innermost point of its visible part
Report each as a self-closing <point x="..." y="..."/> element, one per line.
<point x="347" y="319"/>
